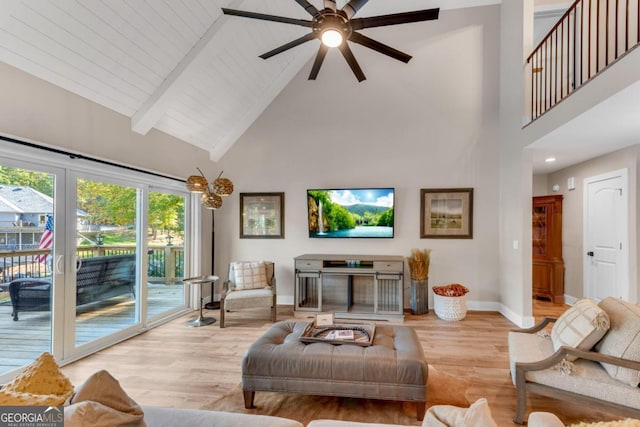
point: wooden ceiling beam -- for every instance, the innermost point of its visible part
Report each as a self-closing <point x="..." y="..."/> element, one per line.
<point x="156" y="106"/>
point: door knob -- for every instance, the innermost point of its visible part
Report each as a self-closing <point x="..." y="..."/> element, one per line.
<point x="590" y="253"/>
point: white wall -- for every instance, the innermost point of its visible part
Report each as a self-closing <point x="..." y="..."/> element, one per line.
<point x="541" y="187"/>
<point x="515" y="164"/>
<point x="34" y="109"/>
<point x="572" y="213"/>
<point x="429" y="124"/>
<point x="546" y="17"/>
<point x="39" y="111"/>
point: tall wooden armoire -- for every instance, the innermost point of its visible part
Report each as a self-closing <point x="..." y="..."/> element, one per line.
<point x="548" y="265"/>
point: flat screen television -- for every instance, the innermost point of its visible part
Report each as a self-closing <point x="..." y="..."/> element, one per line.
<point x="350" y="212"/>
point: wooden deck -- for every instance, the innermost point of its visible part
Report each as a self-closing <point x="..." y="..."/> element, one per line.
<point x="26" y="339"/>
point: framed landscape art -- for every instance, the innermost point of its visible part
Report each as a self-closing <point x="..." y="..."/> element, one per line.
<point x="446" y="213"/>
<point x="262" y="215"/>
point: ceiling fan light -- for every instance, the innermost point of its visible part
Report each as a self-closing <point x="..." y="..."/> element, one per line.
<point x="332" y="37"/>
<point x="197" y="184"/>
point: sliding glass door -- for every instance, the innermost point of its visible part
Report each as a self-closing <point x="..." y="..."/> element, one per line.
<point x="29" y="275"/>
<point x="166" y="238"/>
<point x="106" y="279"/>
<point x="88" y="257"/>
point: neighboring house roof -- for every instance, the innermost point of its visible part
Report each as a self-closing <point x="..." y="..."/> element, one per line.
<point x="6" y="206"/>
<point x="22" y="199"/>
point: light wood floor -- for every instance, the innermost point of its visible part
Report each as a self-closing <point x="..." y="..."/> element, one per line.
<point x="176" y="366"/>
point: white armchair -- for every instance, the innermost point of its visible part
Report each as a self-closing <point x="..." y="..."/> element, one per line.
<point x="250" y="284"/>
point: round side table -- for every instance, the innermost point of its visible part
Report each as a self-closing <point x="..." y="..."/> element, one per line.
<point x="201" y="280"/>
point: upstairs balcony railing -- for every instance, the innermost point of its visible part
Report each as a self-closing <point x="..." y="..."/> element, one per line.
<point x="590" y="36"/>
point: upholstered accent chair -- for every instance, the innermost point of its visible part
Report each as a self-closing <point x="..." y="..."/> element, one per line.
<point x="250" y="284"/>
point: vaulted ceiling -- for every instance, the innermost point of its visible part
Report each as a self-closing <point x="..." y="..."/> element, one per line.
<point x="186" y="69"/>
<point x="179" y="66"/>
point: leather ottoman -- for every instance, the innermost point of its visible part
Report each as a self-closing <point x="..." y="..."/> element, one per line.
<point x="392" y="368"/>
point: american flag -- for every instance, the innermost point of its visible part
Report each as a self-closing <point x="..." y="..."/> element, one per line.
<point x="46" y="240"/>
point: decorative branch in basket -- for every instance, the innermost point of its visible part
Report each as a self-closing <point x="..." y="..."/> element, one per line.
<point x="419" y="264"/>
<point x="453" y="290"/>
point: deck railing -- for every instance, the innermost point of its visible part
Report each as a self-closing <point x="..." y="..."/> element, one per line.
<point x="165" y="262"/>
<point x="590" y="36"/>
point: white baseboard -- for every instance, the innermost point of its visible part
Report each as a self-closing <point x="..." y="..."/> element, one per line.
<point x="521" y="321"/>
<point x="568" y="299"/>
<point x="483" y="306"/>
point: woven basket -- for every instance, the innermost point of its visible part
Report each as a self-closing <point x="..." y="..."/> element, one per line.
<point x="450" y="308"/>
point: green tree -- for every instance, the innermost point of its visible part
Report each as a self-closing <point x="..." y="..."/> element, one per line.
<point x="321" y="196"/>
<point x="370" y="218"/>
<point x="342" y="218"/>
<point x="166" y="212"/>
<point x="107" y="204"/>
<point x="40" y="181"/>
<point x="386" y="218"/>
<point x="337" y="216"/>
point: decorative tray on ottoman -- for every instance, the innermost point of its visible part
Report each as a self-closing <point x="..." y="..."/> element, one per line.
<point x="358" y="333"/>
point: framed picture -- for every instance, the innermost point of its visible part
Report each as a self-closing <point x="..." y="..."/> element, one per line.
<point x="262" y="215"/>
<point x="446" y="213"/>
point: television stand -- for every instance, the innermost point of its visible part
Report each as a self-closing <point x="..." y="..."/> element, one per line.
<point x="368" y="287"/>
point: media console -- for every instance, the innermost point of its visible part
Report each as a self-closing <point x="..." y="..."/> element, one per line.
<point x="350" y="286"/>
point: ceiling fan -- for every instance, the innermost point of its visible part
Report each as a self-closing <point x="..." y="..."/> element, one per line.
<point x="335" y="26"/>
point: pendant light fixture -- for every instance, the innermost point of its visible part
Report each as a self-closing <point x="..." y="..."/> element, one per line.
<point x="213" y="192"/>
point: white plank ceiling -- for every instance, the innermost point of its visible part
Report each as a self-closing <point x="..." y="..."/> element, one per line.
<point x="179" y="66"/>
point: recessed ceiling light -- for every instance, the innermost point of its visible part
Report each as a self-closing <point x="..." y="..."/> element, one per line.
<point x="550" y="159"/>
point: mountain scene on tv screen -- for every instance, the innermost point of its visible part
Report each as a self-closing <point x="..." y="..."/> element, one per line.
<point x="351" y="213"/>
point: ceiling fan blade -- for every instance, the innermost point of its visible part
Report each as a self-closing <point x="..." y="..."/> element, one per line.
<point x="322" y="52"/>
<point x="264" y="17"/>
<point x="353" y="7"/>
<point x="311" y="9"/>
<point x="289" y="45"/>
<point x="330" y="4"/>
<point x="395" y="18"/>
<point x="379" y="47"/>
<point x="351" y="60"/>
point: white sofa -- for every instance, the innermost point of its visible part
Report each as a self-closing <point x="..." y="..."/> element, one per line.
<point x="172" y="417"/>
<point x="606" y="371"/>
<point x="169" y="417"/>
<point x="165" y="417"/>
<point x="537" y="419"/>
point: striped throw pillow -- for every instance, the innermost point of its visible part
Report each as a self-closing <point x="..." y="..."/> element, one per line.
<point x="581" y="327"/>
<point x="250" y="275"/>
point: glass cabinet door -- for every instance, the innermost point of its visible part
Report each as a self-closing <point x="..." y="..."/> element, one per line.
<point x="539" y="226"/>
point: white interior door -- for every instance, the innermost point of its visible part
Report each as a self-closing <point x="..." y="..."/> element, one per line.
<point x="606" y="248"/>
